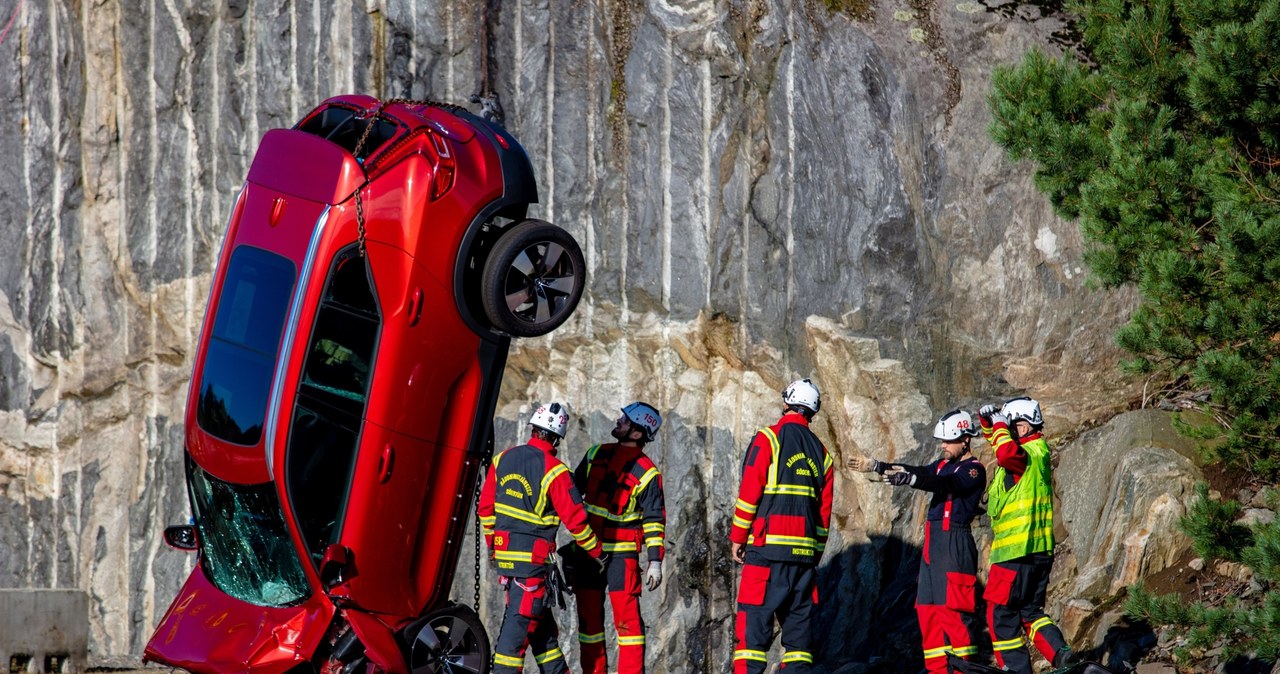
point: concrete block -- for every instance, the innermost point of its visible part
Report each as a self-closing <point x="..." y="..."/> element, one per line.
<point x="44" y="630"/>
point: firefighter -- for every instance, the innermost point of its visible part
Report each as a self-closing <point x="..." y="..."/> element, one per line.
<point x="779" y="532"/>
<point x="625" y="507"/>
<point x="949" y="566"/>
<point x="1020" y="503"/>
<point x="526" y="494"/>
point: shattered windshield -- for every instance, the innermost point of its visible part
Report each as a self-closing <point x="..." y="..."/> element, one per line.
<point x="245" y="549"/>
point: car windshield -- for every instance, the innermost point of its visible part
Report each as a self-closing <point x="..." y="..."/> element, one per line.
<point x="245" y="549"/>
<point x="241" y="354"/>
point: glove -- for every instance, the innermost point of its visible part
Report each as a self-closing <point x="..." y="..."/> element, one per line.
<point x="998" y="418"/>
<point x="987" y="411"/>
<point x="901" y="479"/>
<point x="601" y="562"/>
<point x="653" y="576"/>
<point x="864" y="464"/>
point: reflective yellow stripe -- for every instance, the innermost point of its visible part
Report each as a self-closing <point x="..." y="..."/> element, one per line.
<point x="525" y="515"/>
<point x="584" y="534"/>
<point x="795" y="541"/>
<point x="797" y="656"/>
<point x="547" y="479"/>
<point x="650" y="527"/>
<point x="1016" y="513"/>
<point x="603" y="512"/>
<point x="823" y="531"/>
<point x="628" y="546"/>
<point x="937" y="652"/>
<point x="746" y="507"/>
<point x="739" y="522"/>
<point x="653" y="542"/>
<point x="631" y="641"/>
<point x="488" y="520"/>
<point x="588" y="542"/>
<point x="826" y="462"/>
<point x="1007" y="645"/>
<point x="1045" y="532"/>
<point x="500" y="659"/>
<point x="776" y="449"/>
<point x="550" y="655"/>
<point x="791" y="490"/>
<point x="513" y="556"/>
<point x="965" y="651"/>
<point x="590" y="638"/>
<point x="1037" y="625"/>
<point x="645" y="479"/>
<point x="744" y="654"/>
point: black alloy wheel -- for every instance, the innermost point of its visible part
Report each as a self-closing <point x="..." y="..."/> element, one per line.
<point x="449" y="641"/>
<point x="532" y="279"/>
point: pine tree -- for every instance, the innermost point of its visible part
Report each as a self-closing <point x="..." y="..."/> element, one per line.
<point x="1162" y="140"/>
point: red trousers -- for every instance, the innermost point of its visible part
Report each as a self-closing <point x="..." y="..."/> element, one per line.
<point x="622" y="582"/>
<point x="945" y="601"/>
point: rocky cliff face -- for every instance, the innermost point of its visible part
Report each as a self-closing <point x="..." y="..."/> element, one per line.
<point x="763" y="189"/>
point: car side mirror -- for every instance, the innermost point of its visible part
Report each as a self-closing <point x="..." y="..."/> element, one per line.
<point x="181" y="537"/>
<point x="337" y="566"/>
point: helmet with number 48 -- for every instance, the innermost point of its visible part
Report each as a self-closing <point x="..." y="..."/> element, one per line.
<point x="954" y="425"/>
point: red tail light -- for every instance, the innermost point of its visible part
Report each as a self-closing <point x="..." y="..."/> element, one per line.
<point x="444" y="165"/>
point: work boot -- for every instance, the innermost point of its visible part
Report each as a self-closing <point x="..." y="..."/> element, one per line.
<point x="1064" y="658"/>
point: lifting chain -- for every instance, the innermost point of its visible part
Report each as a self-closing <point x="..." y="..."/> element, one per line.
<point x="484" y="467"/>
<point x="373" y="119"/>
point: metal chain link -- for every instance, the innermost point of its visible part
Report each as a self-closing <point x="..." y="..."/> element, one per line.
<point x="373" y="118"/>
<point x="484" y="466"/>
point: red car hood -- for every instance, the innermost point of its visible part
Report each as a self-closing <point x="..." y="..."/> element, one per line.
<point x="207" y="631"/>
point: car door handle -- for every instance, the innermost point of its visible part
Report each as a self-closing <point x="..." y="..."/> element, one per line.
<point x="415" y="307"/>
<point x="385" y="463"/>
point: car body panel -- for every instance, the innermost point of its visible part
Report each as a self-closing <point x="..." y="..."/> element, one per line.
<point x="235" y="636"/>
<point x="329" y="175"/>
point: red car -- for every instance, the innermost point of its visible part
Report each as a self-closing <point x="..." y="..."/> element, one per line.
<point x="377" y="262"/>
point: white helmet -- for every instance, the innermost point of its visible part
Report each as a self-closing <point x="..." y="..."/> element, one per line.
<point x="804" y="393"/>
<point x="1023" y="408"/>
<point x="551" y="417"/>
<point x="954" y="425"/>
<point x="646" y="417"/>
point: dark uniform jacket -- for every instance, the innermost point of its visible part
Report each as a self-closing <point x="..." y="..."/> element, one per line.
<point x="957" y="488"/>
<point x="527" y="493"/>
<point x="784" y="501"/>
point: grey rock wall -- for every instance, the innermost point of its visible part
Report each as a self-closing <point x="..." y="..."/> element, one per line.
<point x="764" y="189"/>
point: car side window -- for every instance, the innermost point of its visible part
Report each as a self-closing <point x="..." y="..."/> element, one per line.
<point x="330" y="404"/>
<point x="240" y="358"/>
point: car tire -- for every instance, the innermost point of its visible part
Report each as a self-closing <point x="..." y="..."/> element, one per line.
<point x="455" y="644"/>
<point x="533" y="279"/>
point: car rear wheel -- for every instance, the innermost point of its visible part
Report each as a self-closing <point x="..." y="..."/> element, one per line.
<point x="532" y="279"/>
<point x="449" y="641"/>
